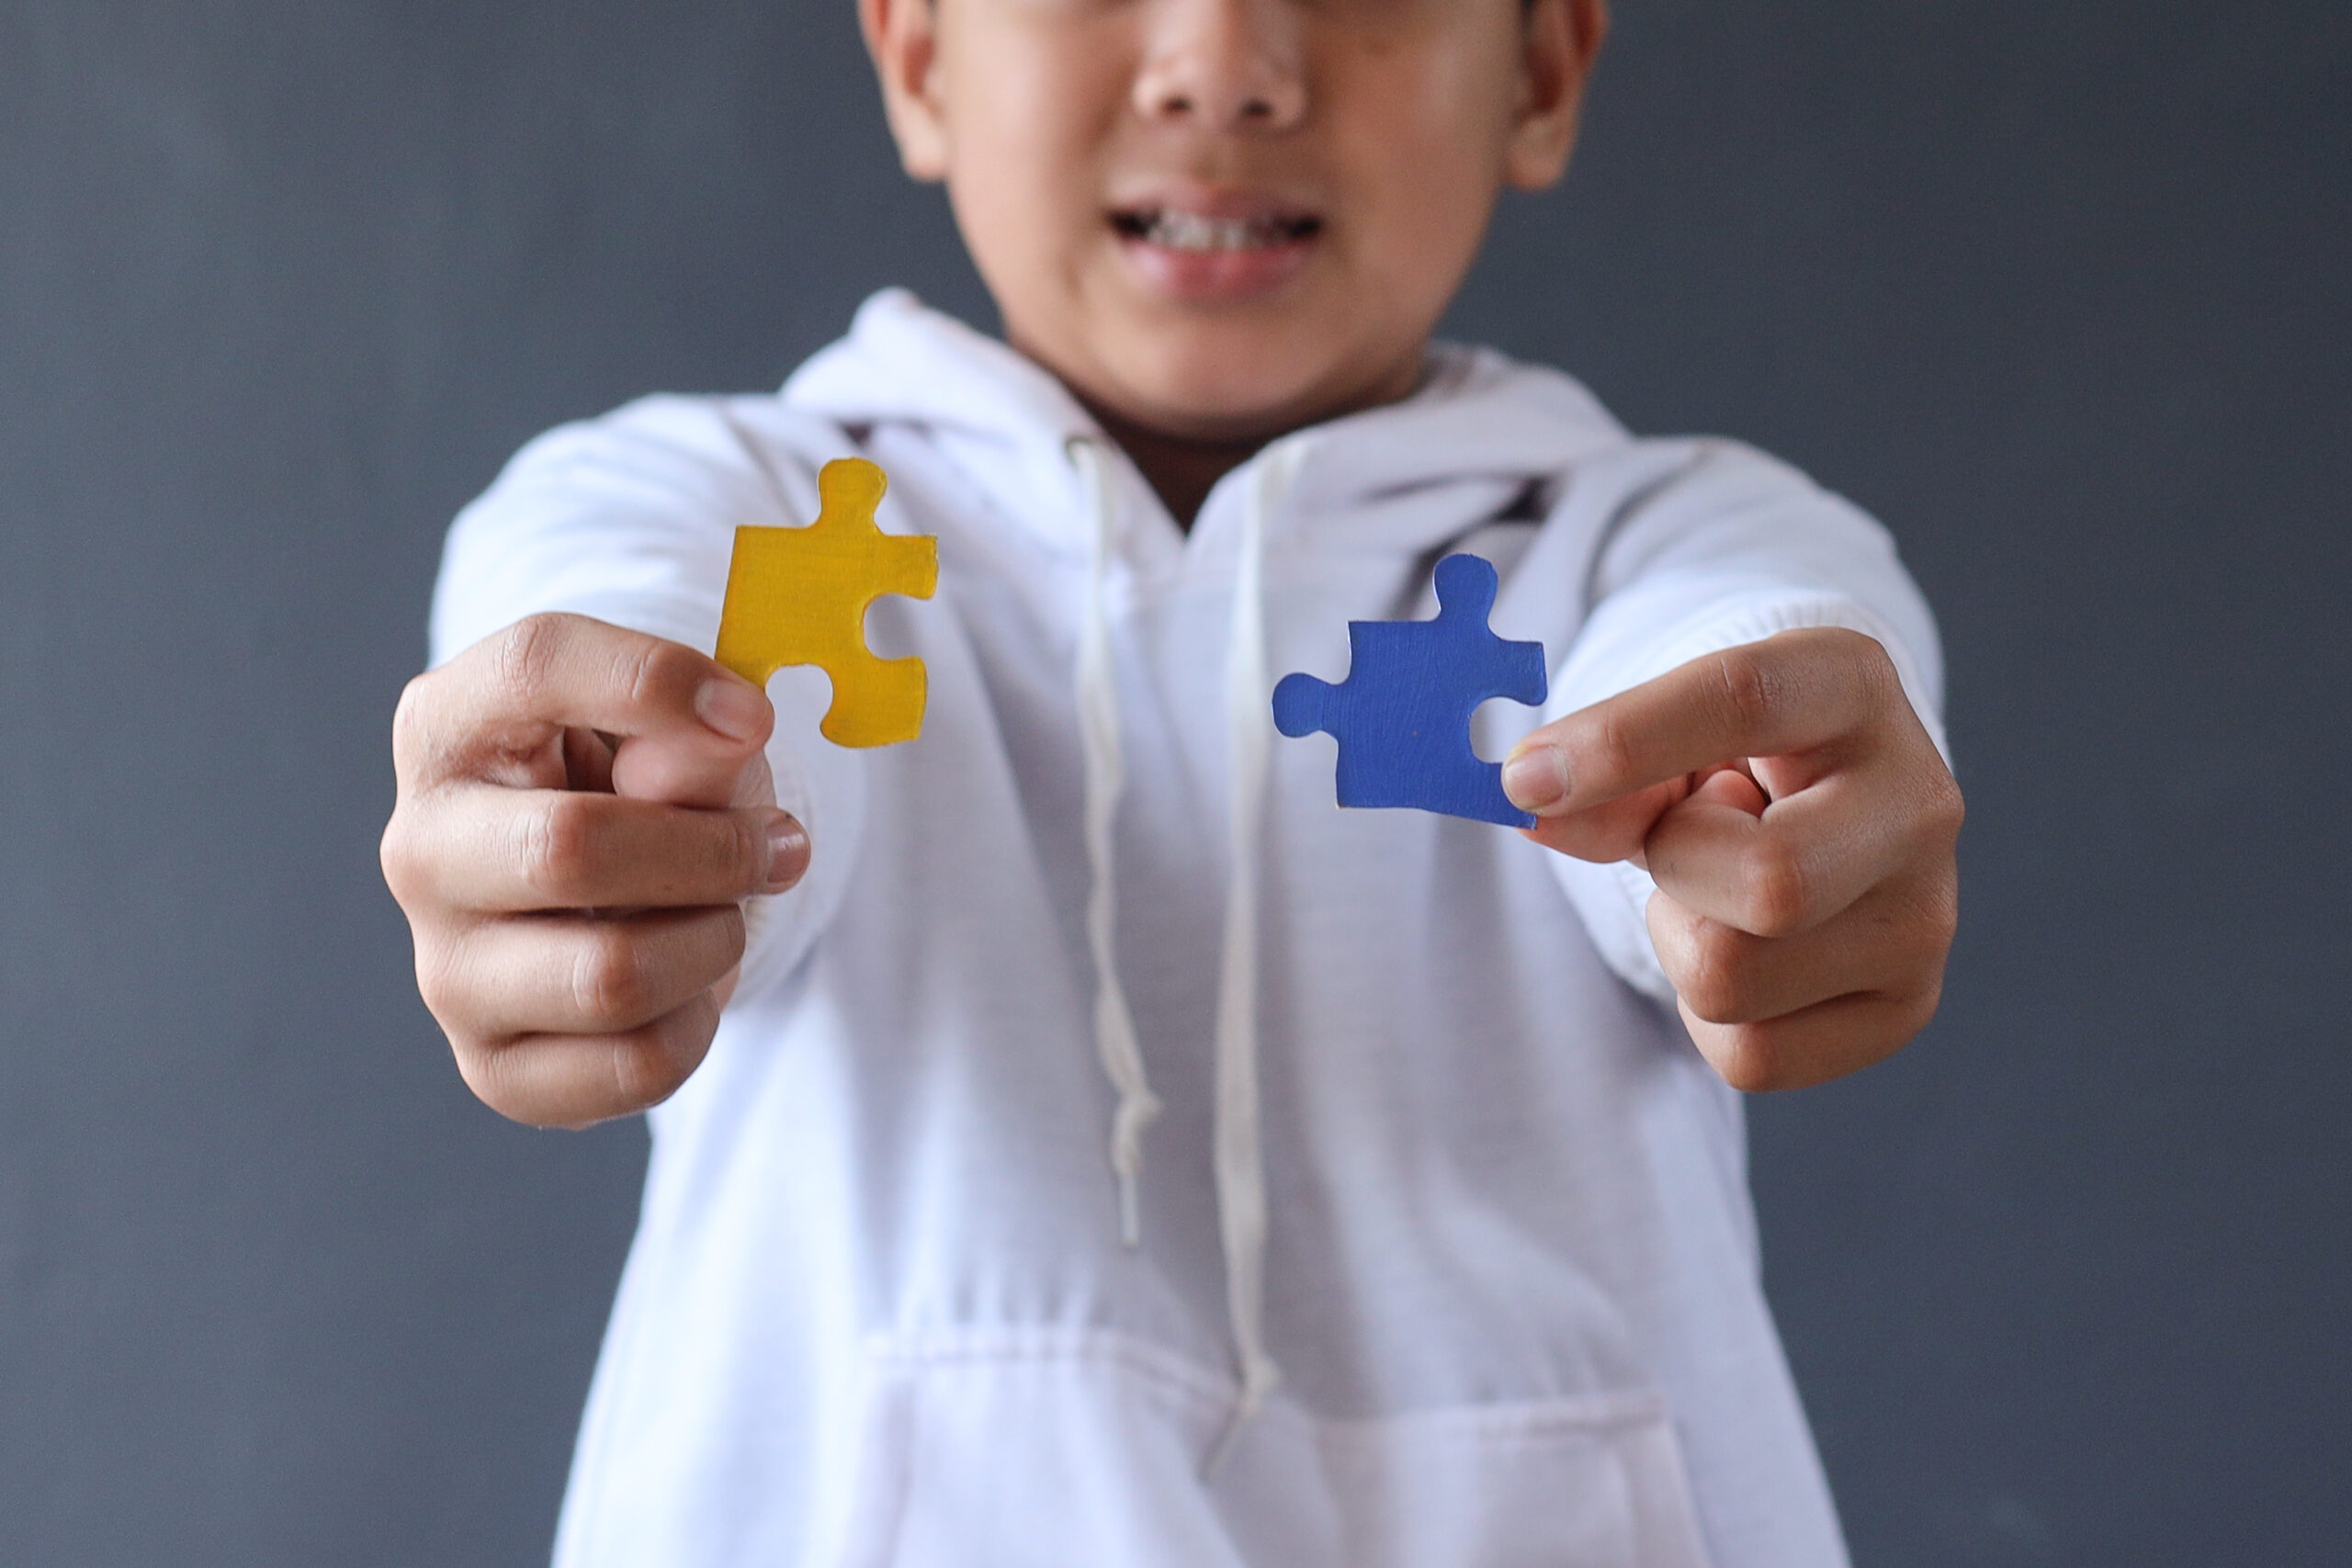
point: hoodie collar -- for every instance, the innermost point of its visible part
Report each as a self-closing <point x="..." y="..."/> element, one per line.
<point x="905" y="362"/>
<point x="1478" y="433"/>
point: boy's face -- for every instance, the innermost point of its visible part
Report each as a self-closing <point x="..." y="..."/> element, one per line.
<point x="1224" y="218"/>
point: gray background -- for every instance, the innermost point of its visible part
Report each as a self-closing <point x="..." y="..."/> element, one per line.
<point x="2056" y="287"/>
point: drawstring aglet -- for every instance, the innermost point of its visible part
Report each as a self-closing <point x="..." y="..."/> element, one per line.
<point x="1257" y="1383"/>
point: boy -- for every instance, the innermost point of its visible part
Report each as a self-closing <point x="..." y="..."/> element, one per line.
<point x="1422" y="1236"/>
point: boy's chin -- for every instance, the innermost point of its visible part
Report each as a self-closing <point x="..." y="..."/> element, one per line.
<point x="1233" y="392"/>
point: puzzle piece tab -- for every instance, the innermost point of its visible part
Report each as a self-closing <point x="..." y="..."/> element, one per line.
<point x="799" y="596"/>
<point x="1402" y="718"/>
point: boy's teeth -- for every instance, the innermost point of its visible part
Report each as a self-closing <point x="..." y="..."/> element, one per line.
<point x="1194" y="232"/>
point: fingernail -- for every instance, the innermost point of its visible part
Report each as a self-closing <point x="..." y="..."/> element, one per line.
<point x="787" y="853"/>
<point x="1536" y="778"/>
<point x="732" y="708"/>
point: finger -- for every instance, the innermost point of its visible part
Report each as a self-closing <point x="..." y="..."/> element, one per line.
<point x="1619" y="830"/>
<point x="577" y="1080"/>
<point x="498" y="710"/>
<point x="503" y="851"/>
<point x="1794" y="864"/>
<point x="578" y="974"/>
<point x="1789" y="693"/>
<point x="1823" y="1041"/>
<point x="648" y="767"/>
<point x="1612" y="830"/>
<point x="1893" y="942"/>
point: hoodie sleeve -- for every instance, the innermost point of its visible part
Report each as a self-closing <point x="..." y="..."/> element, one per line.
<point x="632" y="519"/>
<point x="1710" y="546"/>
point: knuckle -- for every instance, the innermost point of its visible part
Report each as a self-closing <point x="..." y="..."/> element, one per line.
<point x="646" y="1067"/>
<point x="740" y="855"/>
<point x="411" y="724"/>
<point x="410" y="855"/>
<point x="1748" y="1059"/>
<point x="609" y="983"/>
<point x="399" y="854"/>
<point x="1745" y="687"/>
<point x="1778" y="894"/>
<point x="1915" y="928"/>
<point x="475" y="1069"/>
<point x="734" y="937"/>
<point x="524" y="654"/>
<point x="1861" y="657"/>
<point x="659" y="674"/>
<point x="1881" y="683"/>
<point x="1922" y="952"/>
<point x="1946" y="811"/>
<point x="485" y="1072"/>
<point x="1940" y="916"/>
<point x="1714" y="976"/>
<point x="428" y="738"/>
<point x="438" y="983"/>
<point x="557" y="851"/>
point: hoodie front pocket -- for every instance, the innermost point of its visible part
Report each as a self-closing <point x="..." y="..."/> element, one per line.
<point x="1025" y="1449"/>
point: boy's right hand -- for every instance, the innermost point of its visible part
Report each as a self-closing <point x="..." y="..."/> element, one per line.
<point x="583" y="811"/>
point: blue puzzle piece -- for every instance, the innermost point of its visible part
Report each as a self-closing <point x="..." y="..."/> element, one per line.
<point x="1402" y="718"/>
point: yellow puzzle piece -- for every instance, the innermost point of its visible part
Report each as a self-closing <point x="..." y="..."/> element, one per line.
<point x="799" y="596"/>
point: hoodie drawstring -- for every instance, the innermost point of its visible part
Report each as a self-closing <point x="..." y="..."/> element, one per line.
<point x="1241" y="1164"/>
<point x="1098" y="721"/>
<point x="1238" y="1159"/>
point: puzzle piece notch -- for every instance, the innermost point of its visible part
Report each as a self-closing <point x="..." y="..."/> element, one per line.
<point x="799" y="596"/>
<point x="1402" y="717"/>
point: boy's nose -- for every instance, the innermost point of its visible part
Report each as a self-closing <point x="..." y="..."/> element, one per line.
<point x="1227" y="64"/>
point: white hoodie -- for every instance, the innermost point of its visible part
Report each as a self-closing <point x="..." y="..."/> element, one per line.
<point x="1442" y="1252"/>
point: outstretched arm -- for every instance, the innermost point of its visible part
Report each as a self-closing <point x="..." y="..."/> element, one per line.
<point x="1800" y="825"/>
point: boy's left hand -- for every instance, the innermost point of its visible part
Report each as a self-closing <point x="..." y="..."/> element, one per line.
<point x="1800" y="826"/>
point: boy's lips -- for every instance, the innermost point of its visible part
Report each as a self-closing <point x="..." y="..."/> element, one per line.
<point x="1215" y="250"/>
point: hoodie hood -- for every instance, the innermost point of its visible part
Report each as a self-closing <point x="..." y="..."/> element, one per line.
<point x="1481" y="425"/>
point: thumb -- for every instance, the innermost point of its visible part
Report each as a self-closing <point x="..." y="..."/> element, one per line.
<point x="678" y="769"/>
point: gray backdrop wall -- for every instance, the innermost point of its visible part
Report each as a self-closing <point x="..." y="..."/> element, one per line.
<point x="2056" y="287"/>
